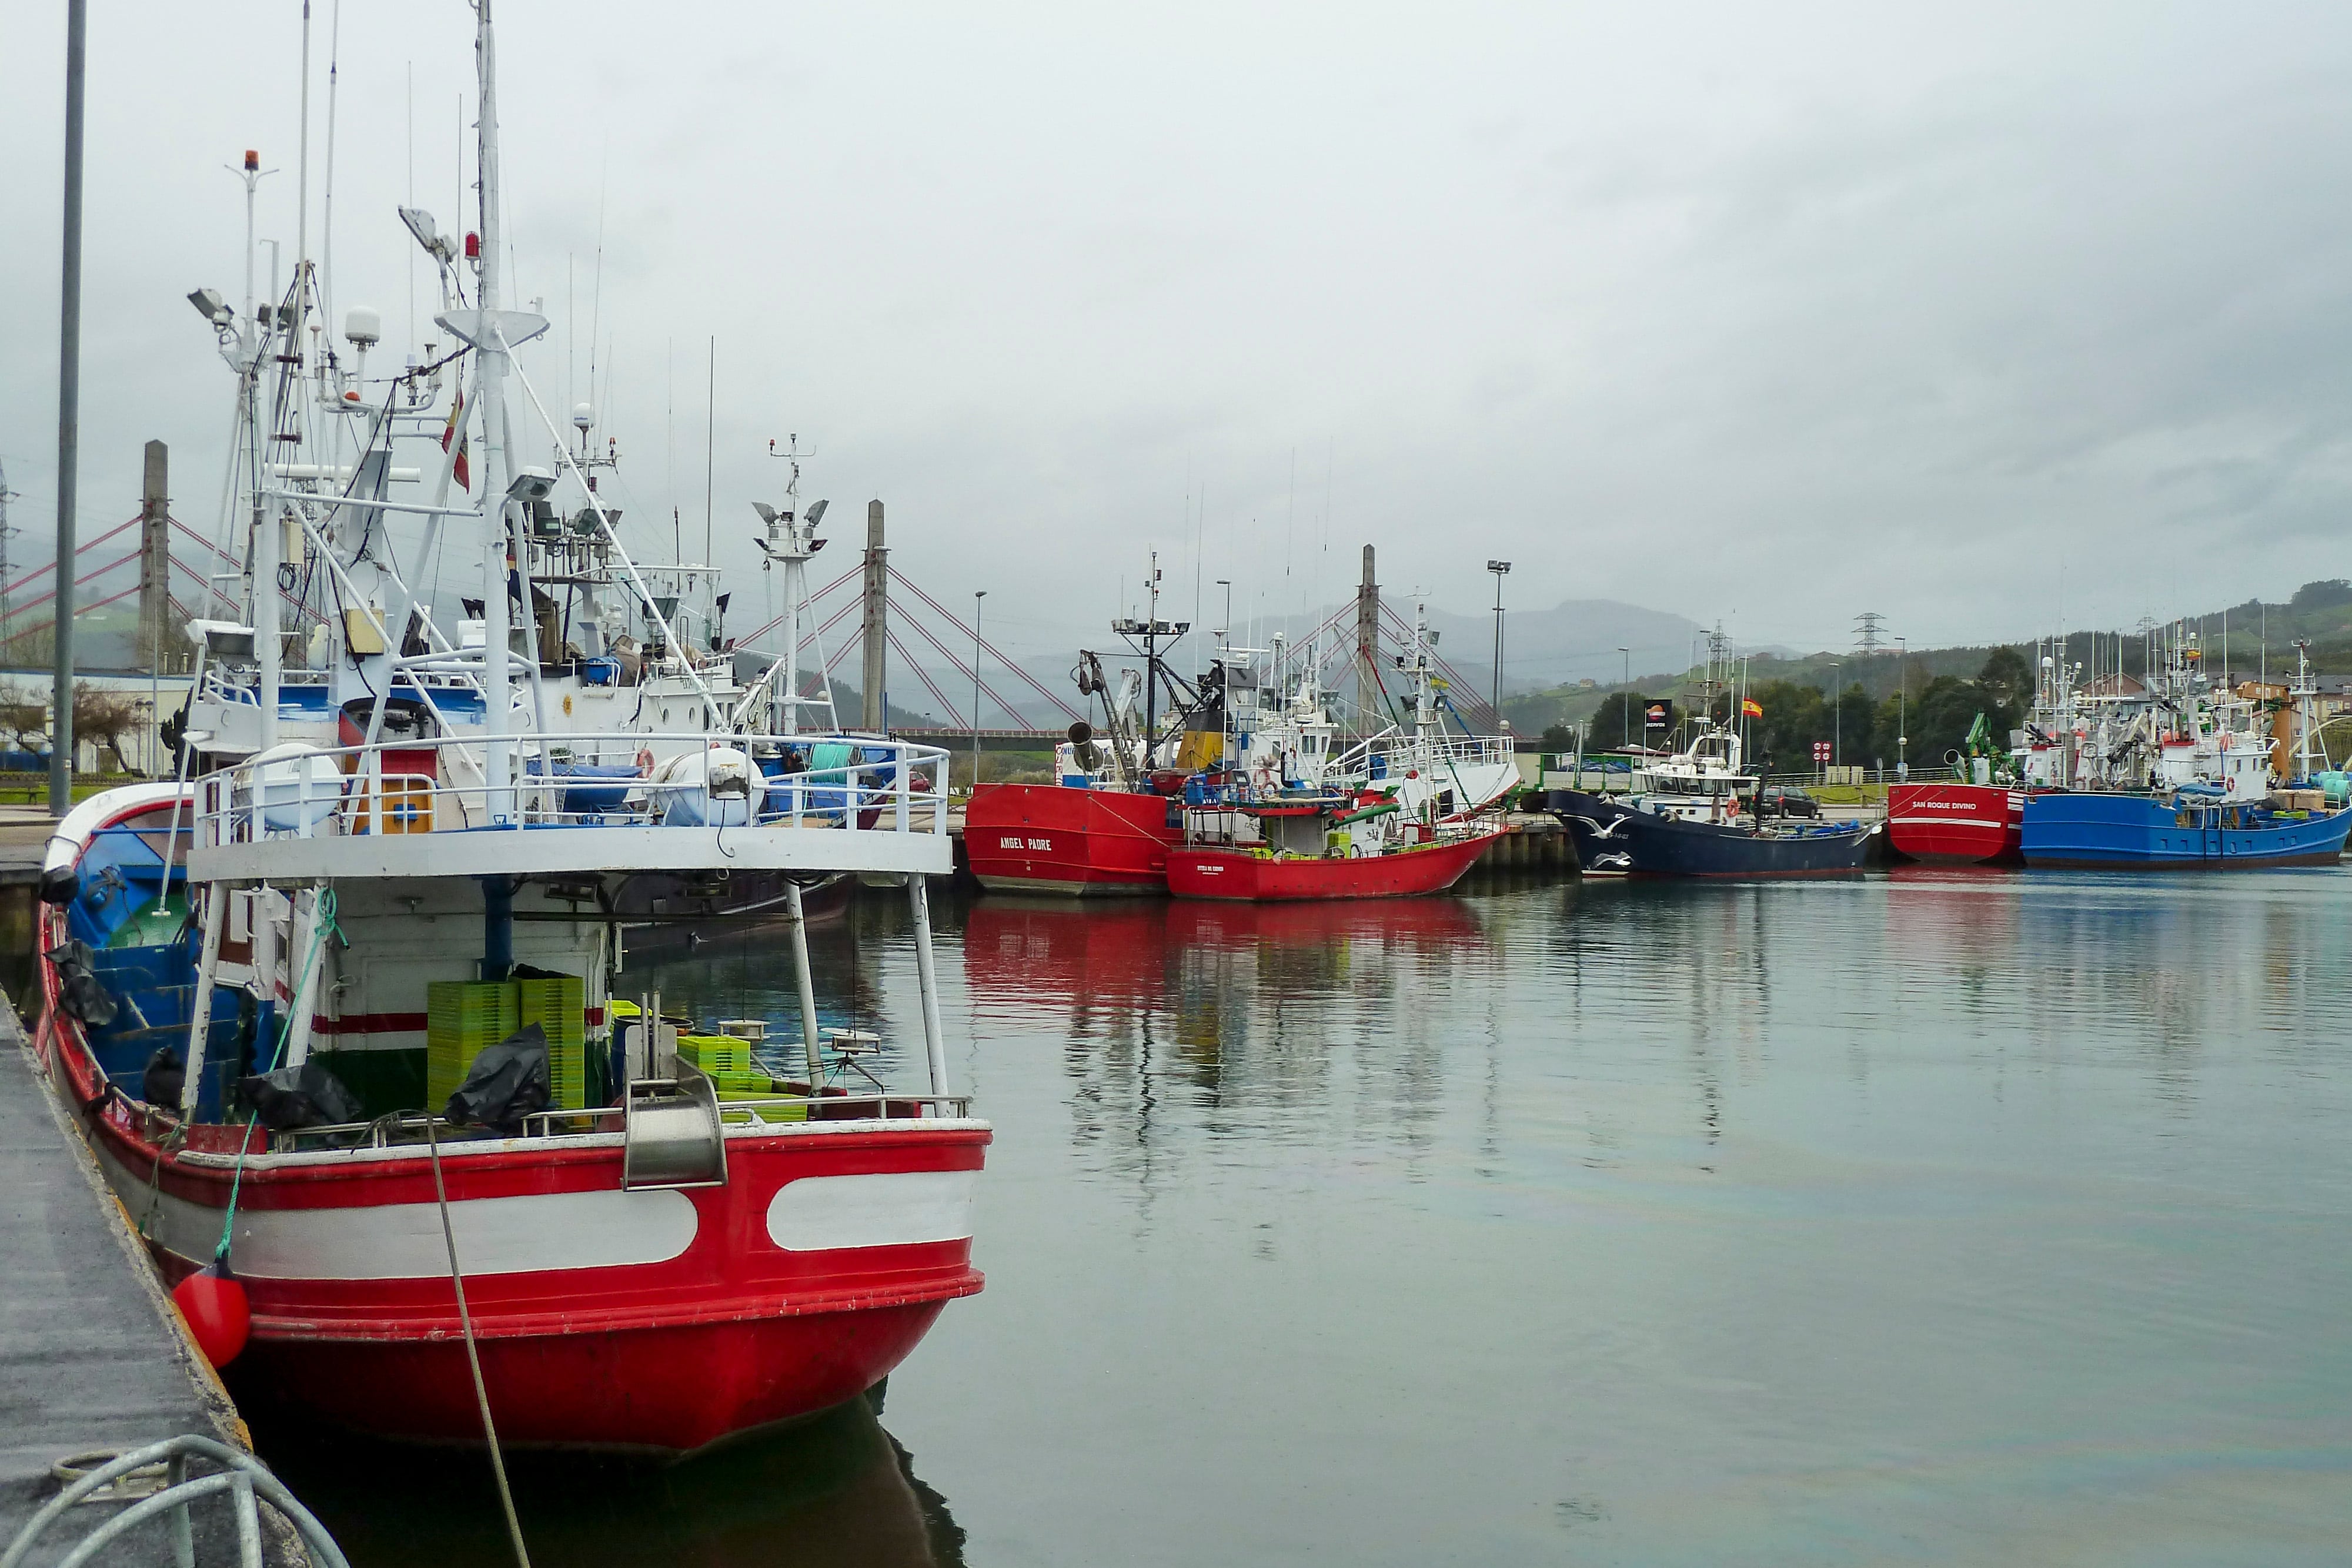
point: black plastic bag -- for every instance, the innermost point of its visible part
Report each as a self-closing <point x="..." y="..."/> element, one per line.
<point x="304" y="1097"/>
<point x="506" y="1082"/>
<point x="164" y="1079"/>
<point x="79" y="995"/>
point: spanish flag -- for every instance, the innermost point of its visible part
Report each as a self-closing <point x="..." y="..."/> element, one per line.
<point x="452" y="432"/>
<point x="1751" y="707"/>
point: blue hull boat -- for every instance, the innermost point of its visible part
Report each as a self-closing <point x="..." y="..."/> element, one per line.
<point x="2147" y="832"/>
<point x="1614" y="839"/>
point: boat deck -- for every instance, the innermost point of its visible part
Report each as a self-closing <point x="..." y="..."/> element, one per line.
<point x="436" y="808"/>
<point x="93" y="1357"/>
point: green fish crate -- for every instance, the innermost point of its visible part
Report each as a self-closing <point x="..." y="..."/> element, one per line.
<point x="761" y="1112"/>
<point x="462" y="1019"/>
<point x="719" y="1055"/>
<point x="559" y="1006"/>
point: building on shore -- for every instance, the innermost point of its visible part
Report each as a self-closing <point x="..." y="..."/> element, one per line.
<point x="117" y="728"/>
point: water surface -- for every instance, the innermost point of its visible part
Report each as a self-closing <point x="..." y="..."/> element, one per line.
<point x="1937" y="1218"/>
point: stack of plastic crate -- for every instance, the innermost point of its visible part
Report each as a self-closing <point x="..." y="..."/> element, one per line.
<point x="461" y="1018"/>
<point x="558" y="1005"/>
<point x="726" y="1061"/>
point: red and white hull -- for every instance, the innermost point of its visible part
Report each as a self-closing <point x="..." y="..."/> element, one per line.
<point x="655" y="1320"/>
<point x="1970" y="822"/>
<point x="1052" y="838"/>
<point x="1399" y="873"/>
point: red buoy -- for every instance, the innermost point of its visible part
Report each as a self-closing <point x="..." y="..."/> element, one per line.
<point x="213" y="1300"/>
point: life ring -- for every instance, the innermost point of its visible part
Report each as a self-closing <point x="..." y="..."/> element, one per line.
<point x="1263" y="778"/>
<point x="644" y="761"/>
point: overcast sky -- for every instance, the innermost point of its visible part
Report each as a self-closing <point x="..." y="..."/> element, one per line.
<point x="1977" y="317"/>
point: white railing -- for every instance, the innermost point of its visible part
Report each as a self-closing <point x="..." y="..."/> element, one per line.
<point x="441" y="785"/>
<point x="405" y="1129"/>
<point x="1438" y="751"/>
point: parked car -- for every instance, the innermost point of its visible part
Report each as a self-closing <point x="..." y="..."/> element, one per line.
<point x="1788" y="800"/>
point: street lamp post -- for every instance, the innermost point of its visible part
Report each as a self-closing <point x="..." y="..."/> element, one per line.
<point x="1902" y="709"/>
<point x="978" y="594"/>
<point x="1624" y="702"/>
<point x="1501" y="568"/>
<point x="1837" y="710"/>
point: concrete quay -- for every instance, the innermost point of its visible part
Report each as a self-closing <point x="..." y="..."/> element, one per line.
<point x="93" y="1356"/>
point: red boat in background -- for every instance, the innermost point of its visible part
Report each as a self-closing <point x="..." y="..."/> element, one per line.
<point x="1402" y="873"/>
<point x="1058" y="837"/>
<point x="1333" y="846"/>
<point x="1953" y="821"/>
<point x="1105" y="825"/>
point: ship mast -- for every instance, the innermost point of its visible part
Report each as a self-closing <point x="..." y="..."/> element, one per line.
<point x="1146" y="635"/>
<point x="792" y="539"/>
<point x="497" y="695"/>
<point x="2306" y="719"/>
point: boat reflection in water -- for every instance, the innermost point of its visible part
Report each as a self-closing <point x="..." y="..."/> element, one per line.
<point x="1245" y="1017"/>
<point x="1023" y="953"/>
<point x="836" y="1490"/>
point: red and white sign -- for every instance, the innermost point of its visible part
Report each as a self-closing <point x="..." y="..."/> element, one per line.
<point x="1821" y="752"/>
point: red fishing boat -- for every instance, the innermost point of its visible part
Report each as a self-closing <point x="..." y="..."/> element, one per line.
<point x="1258" y="878"/>
<point x="1056" y="838"/>
<point x="666" y="1259"/>
<point x="1284" y="851"/>
<point x="340" y="1024"/>
<point x="1104" y="826"/>
<point x="1954" y="822"/>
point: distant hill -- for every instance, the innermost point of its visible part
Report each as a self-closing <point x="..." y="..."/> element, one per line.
<point x="1574" y="641"/>
<point x="2256" y="637"/>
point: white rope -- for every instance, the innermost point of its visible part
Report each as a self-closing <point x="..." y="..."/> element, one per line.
<point x="466" y="1323"/>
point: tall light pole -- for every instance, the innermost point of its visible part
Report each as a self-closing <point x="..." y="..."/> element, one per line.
<point x="1501" y="568"/>
<point x="1624" y="704"/>
<point x="1902" y="708"/>
<point x="61" y="724"/>
<point x="978" y="594"/>
<point x="1837" y="708"/>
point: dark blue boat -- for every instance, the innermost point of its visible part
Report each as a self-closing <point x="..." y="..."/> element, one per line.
<point x="1611" y="837"/>
<point x="2190" y="828"/>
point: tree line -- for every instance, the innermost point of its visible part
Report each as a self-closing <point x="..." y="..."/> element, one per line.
<point x="1935" y="715"/>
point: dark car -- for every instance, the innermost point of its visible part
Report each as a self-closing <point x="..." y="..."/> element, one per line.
<point x="1787" y="801"/>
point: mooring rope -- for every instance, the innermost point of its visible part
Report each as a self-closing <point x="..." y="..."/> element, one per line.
<point x="473" y="1359"/>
